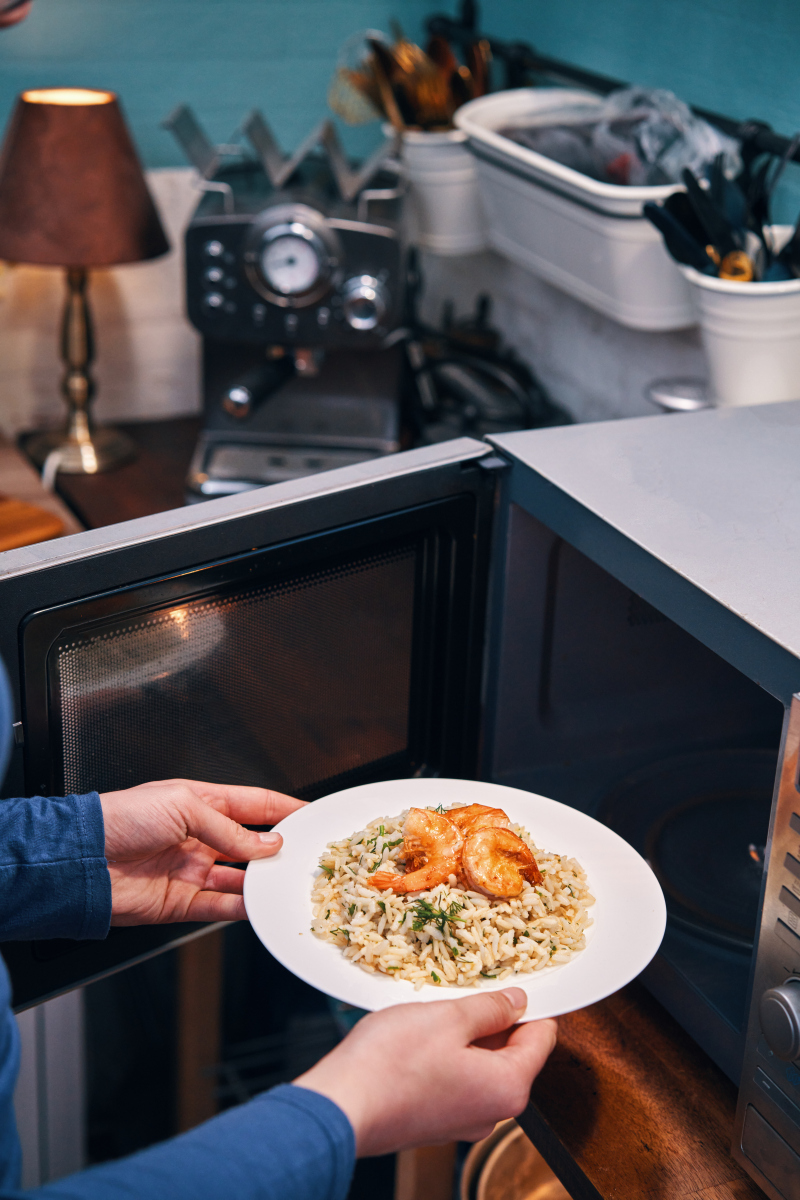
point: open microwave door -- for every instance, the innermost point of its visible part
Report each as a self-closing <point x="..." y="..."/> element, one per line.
<point x="306" y="637"/>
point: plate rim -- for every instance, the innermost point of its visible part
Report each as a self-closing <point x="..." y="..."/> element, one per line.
<point x="650" y="934"/>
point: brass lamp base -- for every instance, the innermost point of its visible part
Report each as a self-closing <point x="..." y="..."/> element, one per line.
<point x="82" y="450"/>
<point x="99" y="450"/>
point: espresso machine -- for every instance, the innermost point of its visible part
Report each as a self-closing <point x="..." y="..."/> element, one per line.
<point x="294" y="278"/>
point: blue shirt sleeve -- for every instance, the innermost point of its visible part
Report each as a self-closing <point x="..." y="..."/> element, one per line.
<point x="288" y="1144"/>
<point x="54" y="879"/>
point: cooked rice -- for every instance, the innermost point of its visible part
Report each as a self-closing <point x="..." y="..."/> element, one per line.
<point x="447" y="936"/>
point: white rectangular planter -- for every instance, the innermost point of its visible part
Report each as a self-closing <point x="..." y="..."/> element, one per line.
<point x="585" y="237"/>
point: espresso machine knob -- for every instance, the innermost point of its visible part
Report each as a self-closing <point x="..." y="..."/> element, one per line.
<point x="780" y="1019"/>
<point x="364" y="302"/>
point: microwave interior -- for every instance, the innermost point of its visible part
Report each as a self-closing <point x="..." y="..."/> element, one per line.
<point x="603" y="703"/>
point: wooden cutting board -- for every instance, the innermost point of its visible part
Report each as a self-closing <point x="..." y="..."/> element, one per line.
<point x="28" y="513"/>
<point x="21" y="523"/>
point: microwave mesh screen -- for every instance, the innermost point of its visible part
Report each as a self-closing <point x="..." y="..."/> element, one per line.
<point x="283" y="686"/>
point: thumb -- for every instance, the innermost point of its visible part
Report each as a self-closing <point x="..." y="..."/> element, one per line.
<point x="491" y="1013"/>
<point x="228" y="837"/>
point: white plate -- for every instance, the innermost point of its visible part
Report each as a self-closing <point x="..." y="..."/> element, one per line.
<point x="629" y="916"/>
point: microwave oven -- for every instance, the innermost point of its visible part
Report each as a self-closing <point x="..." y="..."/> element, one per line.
<point x="605" y="614"/>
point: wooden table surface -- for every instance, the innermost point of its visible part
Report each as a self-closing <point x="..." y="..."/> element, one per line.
<point x="151" y="483"/>
<point x="628" y="1106"/>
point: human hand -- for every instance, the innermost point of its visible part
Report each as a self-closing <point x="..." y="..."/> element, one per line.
<point x="421" y="1074"/>
<point x="164" y="843"/>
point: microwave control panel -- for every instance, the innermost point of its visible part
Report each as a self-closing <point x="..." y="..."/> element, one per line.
<point x="767" y="1130"/>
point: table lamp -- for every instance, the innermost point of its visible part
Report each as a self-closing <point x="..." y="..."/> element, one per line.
<point x="72" y="194"/>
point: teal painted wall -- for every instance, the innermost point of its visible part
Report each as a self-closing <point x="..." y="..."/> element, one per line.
<point x="224" y="57"/>
<point x="738" y="57"/>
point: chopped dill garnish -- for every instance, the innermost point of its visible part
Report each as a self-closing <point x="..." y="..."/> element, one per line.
<point x="405" y="914"/>
<point x="435" y="977"/>
<point x="391" y="845"/>
<point x="327" y="914"/>
<point x="351" y="909"/>
<point x="344" y="931"/>
<point x="552" y="949"/>
<point x="381" y="832"/>
<point x="382" y="906"/>
<point x="328" y="870"/>
<point x="426" y="914"/>
<point x="439" y="809"/>
<point x="392" y="968"/>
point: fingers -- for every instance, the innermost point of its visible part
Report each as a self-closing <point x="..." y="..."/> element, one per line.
<point x="529" y="1047"/>
<point x="495" y="1041"/>
<point x="482" y="1016"/>
<point x="248" y="805"/>
<point x="215" y="906"/>
<point x="225" y="879"/>
<point x="227" y="837"/>
<point x="534" y="1037"/>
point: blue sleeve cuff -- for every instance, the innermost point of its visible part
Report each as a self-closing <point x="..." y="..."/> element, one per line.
<point x="289" y="1144"/>
<point x="54" y="879"/>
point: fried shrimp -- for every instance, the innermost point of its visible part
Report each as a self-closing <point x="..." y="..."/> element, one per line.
<point x="432" y="847"/>
<point x="498" y="863"/>
<point x="478" y="816"/>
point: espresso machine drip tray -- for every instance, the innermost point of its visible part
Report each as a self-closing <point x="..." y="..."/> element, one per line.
<point x="701" y="821"/>
<point x="221" y="469"/>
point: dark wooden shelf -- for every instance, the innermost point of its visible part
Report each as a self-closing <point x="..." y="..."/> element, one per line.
<point x="628" y="1107"/>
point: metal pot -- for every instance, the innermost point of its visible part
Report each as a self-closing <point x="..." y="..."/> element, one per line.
<point x="506" y="1166"/>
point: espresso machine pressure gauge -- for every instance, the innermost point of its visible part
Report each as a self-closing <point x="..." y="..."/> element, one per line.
<point x="292" y="256"/>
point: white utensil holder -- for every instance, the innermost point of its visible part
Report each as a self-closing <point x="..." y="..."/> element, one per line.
<point x="751" y="336"/>
<point x="446" y="215"/>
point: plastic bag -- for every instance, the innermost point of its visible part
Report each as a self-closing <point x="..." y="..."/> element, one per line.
<point x="569" y="145"/>
<point x="637" y="137"/>
<point x="647" y="136"/>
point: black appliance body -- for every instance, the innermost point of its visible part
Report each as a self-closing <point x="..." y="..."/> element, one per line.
<point x="605" y="614"/>
<point x="294" y="291"/>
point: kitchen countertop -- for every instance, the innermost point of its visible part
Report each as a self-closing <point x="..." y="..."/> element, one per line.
<point x="628" y="1106"/>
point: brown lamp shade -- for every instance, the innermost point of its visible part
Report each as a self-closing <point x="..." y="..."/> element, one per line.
<point x="72" y="192"/>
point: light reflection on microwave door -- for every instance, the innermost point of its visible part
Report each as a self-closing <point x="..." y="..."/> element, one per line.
<point x="161" y="648"/>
